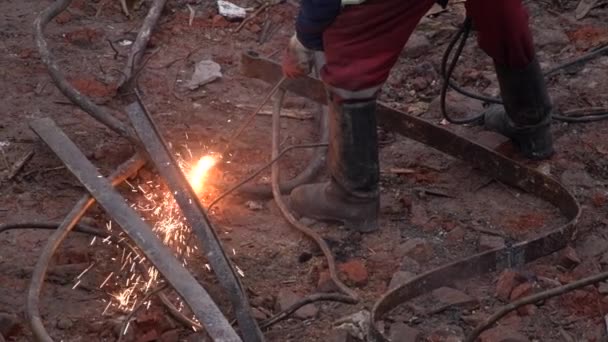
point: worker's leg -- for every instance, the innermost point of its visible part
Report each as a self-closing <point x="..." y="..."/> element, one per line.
<point x="504" y="34"/>
<point x="361" y="47"/>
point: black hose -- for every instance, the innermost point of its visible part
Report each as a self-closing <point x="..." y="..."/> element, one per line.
<point x="582" y="114"/>
<point x="461" y="36"/>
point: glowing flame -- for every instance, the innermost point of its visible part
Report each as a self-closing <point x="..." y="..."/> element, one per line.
<point x="198" y="174"/>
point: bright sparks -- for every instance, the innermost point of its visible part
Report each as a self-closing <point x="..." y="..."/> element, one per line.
<point x="198" y="174"/>
<point x="126" y="284"/>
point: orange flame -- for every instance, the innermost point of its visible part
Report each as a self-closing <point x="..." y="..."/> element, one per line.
<point x="198" y="174"/>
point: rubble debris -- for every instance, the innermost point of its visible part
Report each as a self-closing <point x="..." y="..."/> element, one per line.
<point x="356" y="324"/>
<point x="231" y="11"/>
<point x="254" y="205"/>
<point x="507" y="281"/>
<point x="205" y="71"/>
<point x="287" y="298"/>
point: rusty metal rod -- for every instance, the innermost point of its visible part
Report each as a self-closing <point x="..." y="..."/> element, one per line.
<point x="195" y="215"/>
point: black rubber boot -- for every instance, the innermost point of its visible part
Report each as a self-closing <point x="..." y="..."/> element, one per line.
<point x="526" y="115"/>
<point x="352" y="195"/>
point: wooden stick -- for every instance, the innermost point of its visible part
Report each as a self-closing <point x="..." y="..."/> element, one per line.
<point x="253" y="15"/>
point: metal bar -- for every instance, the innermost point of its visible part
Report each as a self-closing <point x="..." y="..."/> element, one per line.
<point x="159" y="255"/>
<point x="198" y="220"/>
<point x="495" y="164"/>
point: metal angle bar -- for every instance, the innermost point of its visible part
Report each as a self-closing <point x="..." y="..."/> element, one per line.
<point x="196" y="217"/>
<point x="159" y="255"/>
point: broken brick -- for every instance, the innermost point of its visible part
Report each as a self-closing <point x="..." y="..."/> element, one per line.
<point x="63" y="18"/>
<point x="219" y="21"/>
<point x="524" y="290"/>
<point x="507" y="281"/>
<point x="355" y="272"/>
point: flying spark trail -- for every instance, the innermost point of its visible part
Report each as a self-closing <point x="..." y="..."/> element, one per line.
<point x="132" y="276"/>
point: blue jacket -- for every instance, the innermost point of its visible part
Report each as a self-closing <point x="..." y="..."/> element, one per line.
<point x="314" y="17"/>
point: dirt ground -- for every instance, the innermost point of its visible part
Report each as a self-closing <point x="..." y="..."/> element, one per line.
<point x="429" y="200"/>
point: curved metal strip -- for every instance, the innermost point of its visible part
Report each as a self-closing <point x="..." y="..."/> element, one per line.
<point x="496" y="165"/>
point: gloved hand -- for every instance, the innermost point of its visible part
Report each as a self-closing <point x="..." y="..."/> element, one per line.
<point x="297" y="59"/>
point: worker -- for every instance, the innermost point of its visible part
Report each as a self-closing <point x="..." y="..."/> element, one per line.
<point x="361" y="40"/>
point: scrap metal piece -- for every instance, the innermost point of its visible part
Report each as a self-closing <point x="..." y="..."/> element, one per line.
<point x="195" y="215"/>
<point x="496" y="165"/>
<point x="159" y="255"/>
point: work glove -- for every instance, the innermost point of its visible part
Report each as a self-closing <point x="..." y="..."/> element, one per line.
<point x="297" y="59"/>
